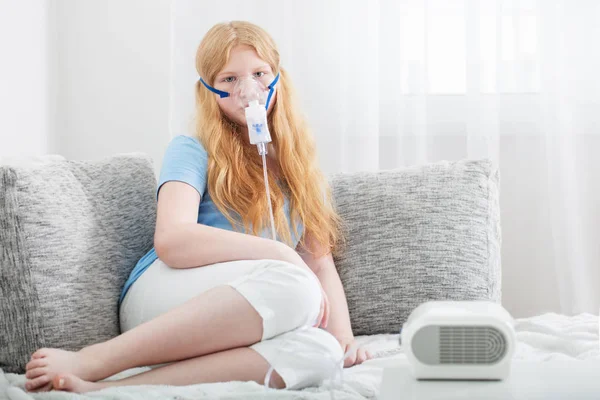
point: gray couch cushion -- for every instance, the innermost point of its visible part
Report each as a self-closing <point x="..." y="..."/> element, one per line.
<point x="415" y="234"/>
<point x="70" y="233"/>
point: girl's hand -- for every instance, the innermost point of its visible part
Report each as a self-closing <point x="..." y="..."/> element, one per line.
<point x="358" y="354"/>
<point x="323" y="317"/>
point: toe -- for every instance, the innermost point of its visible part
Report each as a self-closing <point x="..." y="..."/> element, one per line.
<point x="41" y="353"/>
<point x="72" y="383"/>
<point x="34" y="384"/>
<point x="66" y="382"/>
<point x="46" y="388"/>
<point x="59" y="382"/>
<point x="35" y="372"/>
<point x="36" y="363"/>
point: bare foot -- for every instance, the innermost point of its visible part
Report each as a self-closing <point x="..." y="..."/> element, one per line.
<point x="46" y="363"/>
<point x="71" y="383"/>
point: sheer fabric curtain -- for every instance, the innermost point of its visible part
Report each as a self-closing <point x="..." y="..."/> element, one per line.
<point x="390" y="83"/>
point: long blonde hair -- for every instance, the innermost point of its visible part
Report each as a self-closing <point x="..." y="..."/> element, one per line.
<point x="235" y="175"/>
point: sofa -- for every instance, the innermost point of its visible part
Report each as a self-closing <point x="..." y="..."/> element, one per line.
<point x="71" y="232"/>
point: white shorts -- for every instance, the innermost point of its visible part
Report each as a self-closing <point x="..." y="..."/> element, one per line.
<point x="286" y="297"/>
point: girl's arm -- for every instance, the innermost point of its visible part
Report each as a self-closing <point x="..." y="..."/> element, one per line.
<point x="180" y="242"/>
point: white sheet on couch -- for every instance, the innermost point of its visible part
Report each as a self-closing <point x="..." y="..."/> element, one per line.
<point x="541" y="338"/>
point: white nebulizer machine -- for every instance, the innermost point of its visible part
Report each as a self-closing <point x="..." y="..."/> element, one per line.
<point x="254" y="96"/>
<point x="459" y="340"/>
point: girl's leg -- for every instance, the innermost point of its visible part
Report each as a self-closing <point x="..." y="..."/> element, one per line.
<point x="241" y="364"/>
<point x="278" y="297"/>
<point x="300" y="358"/>
<point x="216" y="320"/>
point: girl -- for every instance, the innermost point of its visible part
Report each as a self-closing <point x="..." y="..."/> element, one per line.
<point x="216" y="299"/>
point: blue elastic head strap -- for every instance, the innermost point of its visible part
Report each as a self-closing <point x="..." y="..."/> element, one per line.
<point x="212" y="89"/>
<point x="271" y="89"/>
<point x="223" y="94"/>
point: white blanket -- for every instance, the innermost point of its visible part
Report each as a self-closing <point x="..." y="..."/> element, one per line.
<point x="545" y="337"/>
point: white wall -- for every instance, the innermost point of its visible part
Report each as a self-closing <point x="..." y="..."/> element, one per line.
<point x="113" y="63"/>
<point x="24" y="78"/>
<point x="84" y="79"/>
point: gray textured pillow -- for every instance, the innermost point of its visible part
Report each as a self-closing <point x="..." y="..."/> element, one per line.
<point x="415" y="234"/>
<point x="70" y="233"/>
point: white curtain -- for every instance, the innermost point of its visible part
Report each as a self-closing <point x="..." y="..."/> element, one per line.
<point x="390" y="83"/>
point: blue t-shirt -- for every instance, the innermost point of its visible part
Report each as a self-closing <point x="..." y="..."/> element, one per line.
<point x="186" y="161"/>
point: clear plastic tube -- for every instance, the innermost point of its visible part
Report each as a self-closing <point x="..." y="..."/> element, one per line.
<point x="264" y="159"/>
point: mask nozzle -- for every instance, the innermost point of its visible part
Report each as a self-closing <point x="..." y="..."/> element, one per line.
<point x="258" y="127"/>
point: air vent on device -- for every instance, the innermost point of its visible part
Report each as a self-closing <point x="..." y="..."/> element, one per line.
<point x="471" y="345"/>
<point x="457" y="344"/>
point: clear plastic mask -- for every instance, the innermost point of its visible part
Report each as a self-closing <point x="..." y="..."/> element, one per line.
<point x="250" y="89"/>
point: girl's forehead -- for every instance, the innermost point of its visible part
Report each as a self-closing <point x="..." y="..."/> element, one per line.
<point x="242" y="58"/>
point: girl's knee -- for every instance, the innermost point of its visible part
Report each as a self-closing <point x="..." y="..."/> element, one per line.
<point x="304" y="357"/>
<point x="319" y="357"/>
<point x="328" y="345"/>
<point x="300" y="290"/>
<point x="285" y="295"/>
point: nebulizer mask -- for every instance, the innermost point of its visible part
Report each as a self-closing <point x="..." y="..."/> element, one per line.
<point x="251" y="93"/>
